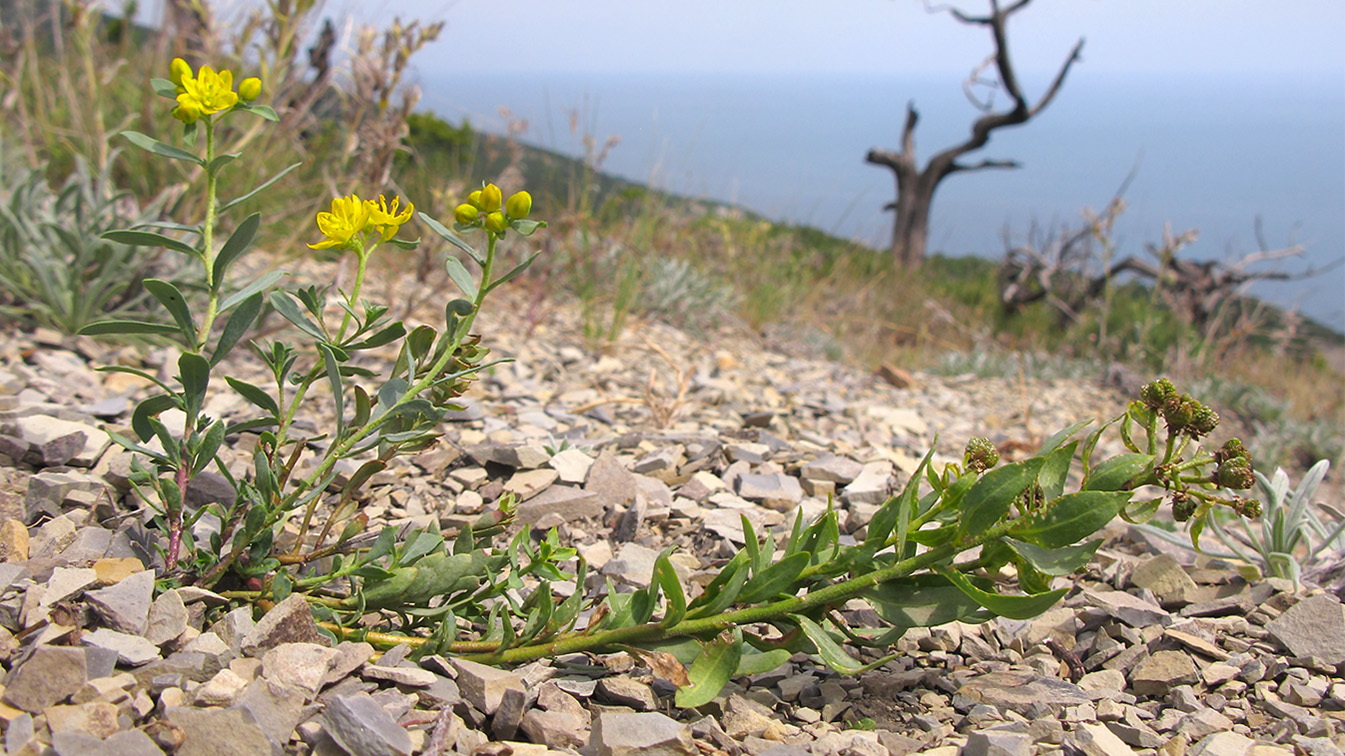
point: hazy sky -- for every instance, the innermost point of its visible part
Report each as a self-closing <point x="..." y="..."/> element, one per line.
<point x="879" y="36"/>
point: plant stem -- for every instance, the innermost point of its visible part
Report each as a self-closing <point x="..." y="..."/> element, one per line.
<point x="208" y="242"/>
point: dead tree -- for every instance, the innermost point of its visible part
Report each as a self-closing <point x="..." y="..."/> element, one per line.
<point x="915" y="186"/>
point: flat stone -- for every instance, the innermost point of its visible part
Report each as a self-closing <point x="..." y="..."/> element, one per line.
<point x="775" y="491"/>
<point x="276" y="709"/>
<point x="1314" y="627"/>
<point x="14" y="541"/>
<point x="624" y="691"/>
<point x="554" y="729"/>
<point x="1203" y="722"/>
<point x="290" y="621"/>
<point x="1024" y="692"/>
<point x="1164" y="576"/>
<point x="48" y="488"/>
<point x="743" y="717"/>
<point x="48" y="676"/>
<point x="1161" y="672"/>
<point x="566" y="502"/>
<point x="113" y="570"/>
<point x="359" y="725"/>
<point x="483" y="686"/>
<point x="167" y="618"/>
<point x="132" y="650"/>
<point x="1129" y="609"/>
<point x="217" y="732"/>
<point x="571" y="465"/>
<point x="221" y="690"/>
<point x="124" y="607"/>
<point x="302" y="666"/>
<point x="67" y="582"/>
<point x="513" y="705"/>
<point x="413" y="677"/>
<point x="610" y="482"/>
<point x="59" y="442"/>
<point x="640" y="734"/>
<point x="832" y="468"/>
<point x="870" y="486"/>
<point x="528" y="483"/>
<point x="1222" y="744"/>
<point x="997" y="743"/>
<point x="95" y="718"/>
<point x="1094" y="739"/>
<point x="633" y="563"/>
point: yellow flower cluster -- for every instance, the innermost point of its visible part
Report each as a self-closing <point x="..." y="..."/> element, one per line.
<point x="487" y="207"/>
<point x="207" y="91"/>
<point x="351" y="216"/>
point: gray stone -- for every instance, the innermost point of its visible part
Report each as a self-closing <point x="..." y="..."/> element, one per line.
<point x="66" y="582"/>
<point x="870" y="486"/>
<point x="1164" y="576"/>
<point x="47" y="491"/>
<point x="624" y="691"/>
<point x="483" y="686"/>
<point x="666" y="459"/>
<point x="566" y="502"/>
<point x="776" y="491"/>
<point x="1161" y="672"/>
<point x="640" y="734"/>
<point x="833" y="469"/>
<point x="518" y="456"/>
<point x="290" y="621"/>
<point x="57" y="442"/>
<point x="633" y="563"/>
<point x="571" y="465"/>
<point x="997" y="743"/>
<point x="167" y="618"/>
<point x="743" y="717"/>
<point x="554" y="729"/>
<point x="1314" y="626"/>
<point x="413" y="677"/>
<point x="234" y="627"/>
<point x="1129" y="609"/>
<point x="48" y="676"/>
<point x="528" y="483"/>
<point x="358" y="724"/>
<point x="302" y="666"/>
<point x="1027" y="693"/>
<point x="513" y="705"/>
<point x="1202" y="722"/>
<point x="208" y="487"/>
<point x="611" y="482"/>
<point x="125" y="606"/>
<point x="132" y="650"/>
<point x="218" y="732"/>
<point x="124" y="743"/>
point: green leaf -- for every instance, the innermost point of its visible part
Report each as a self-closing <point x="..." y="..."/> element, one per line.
<point x="712" y="669"/>
<point x="163" y="88"/>
<point x="1090" y="443"/>
<point x="527" y="227"/>
<point x="1013" y="607"/>
<point x="452" y="238"/>
<point x="511" y="275"/>
<point x="144" y="411"/>
<point x="240" y="320"/>
<point x="290" y="311"/>
<point x="723" y="590"/>
<point x="666" y="576"/>
<point x="1055" y="471"/>
<point x="220" y="161"/>
<point x="194" y="371"/>
<point x="1061" y="436"/>
<point x="387" y="335"/>
<point x="334" y="378"/>
<point x="1121" y="472"/>
<point x="176" y="305"/>
<point x="460" y="276"/>
<point x="905" y="506"/>
<point x="151" y="239"/>
<point x="261" y="111"/>
<point x="150" y="144"/>
<point x="254" y="394"/>
<point x="1142" y="511"/>
<point x="264" y="185"/>
<point x="1072" y="518"/>
<point x="233" y="248"/>
<point x="989" y="499"/>
<point x="418" y="545"/>
<point x="254" y="287"/>
<point x="775" y="578"/>
<point x="761" y="662"/>
<point x="831" y="652"/>
<point x="1055" y="562"/>
<point x="922" y="600"/>
<point x="126" y="327"/>
<point x="210" y="444"/>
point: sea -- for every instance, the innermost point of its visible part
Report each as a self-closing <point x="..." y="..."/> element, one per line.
<point x="1253" y="161"/>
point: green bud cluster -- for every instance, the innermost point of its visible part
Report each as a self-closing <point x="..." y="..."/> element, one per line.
<point x="1188" y="417"/>
<point x="1155" y="395"/>
<point x="1183" y="506"/>
<point x="1234" y="468"/>
<point x="980" y="455"/>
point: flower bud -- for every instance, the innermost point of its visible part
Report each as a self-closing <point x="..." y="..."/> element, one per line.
<point x="518" y="206"/>
<point x="1155" y="394"/>
<point x="177" y="70"/>
<point x="1232" y="449"/>
<point x="491" y="198"/>
<point x="250" y="88"/>
<point x="495" y="223"/>
<point x="1236" y="473"/>
<point x="1183" y="507"/>
<point x="1249" y="508"/>
<point x="474" y="199"/>
<point x="187" y="113"/>
<point x="980" y="455"/>
<point x="466" y="214"/>
<point x="1203" y="421"/>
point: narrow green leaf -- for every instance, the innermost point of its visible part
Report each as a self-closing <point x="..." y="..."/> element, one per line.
<point x="255" y="286"/>
<point x="761" y="662"/>
<point x="220" y="161"/>
<point x="989" y="499"/>
<point x="194" y="372"/>
<point x="1072" y="518"/>
<point x="676" y="607"/>
<point x="387" y="335"/>
<point x="1141" y="511"/>
<point x="831" y="652"/>
<point x="460" y="276"/>
<point x="452" y="238"/>
<point x="907" y="502"/>
<point x="146" y="410"/>
<point x="1121" y="472"/>
<point x="151" y="239"/>
<point x="527" y="227"/>
<point x="922" y="600"/>
<point x="234" y="248"/>
<point x="263" y="186"/>
<point x="1013" y="607"/>
<point x="254" y="394"/>
<point x="163" y="88"/>
<point x="210" y="444"/>
<point x="1055" y="471"/>
<point x="240" y="320"/>
<point x="712" y="669"/>
<point x="334" y="378"/>
<point x="774" y="579"/>
<point x="261" y="111"/>
<point x="290" y="311"/>
<point x="1061" y="436"/>
<point x="1055" y="562"/>
<point x="172" y="300"/>
<point x="150" y="144"/>
<point x="511" y="275"/>
<point x="723" y="591"/>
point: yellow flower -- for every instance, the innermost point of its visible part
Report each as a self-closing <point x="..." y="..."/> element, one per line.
<point x="250" y="88"/>
<point x="386" y="219"/>
<point x="496" y="223"/>
<point x="519" y="205"/>
<point x="208" y="92"/>
<point x="491" y="198"/>
<point x="349" y="217"/>
<point x="187" y="112"/>
<point x="474" y="199"/>
<point x="466" y="214"/>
